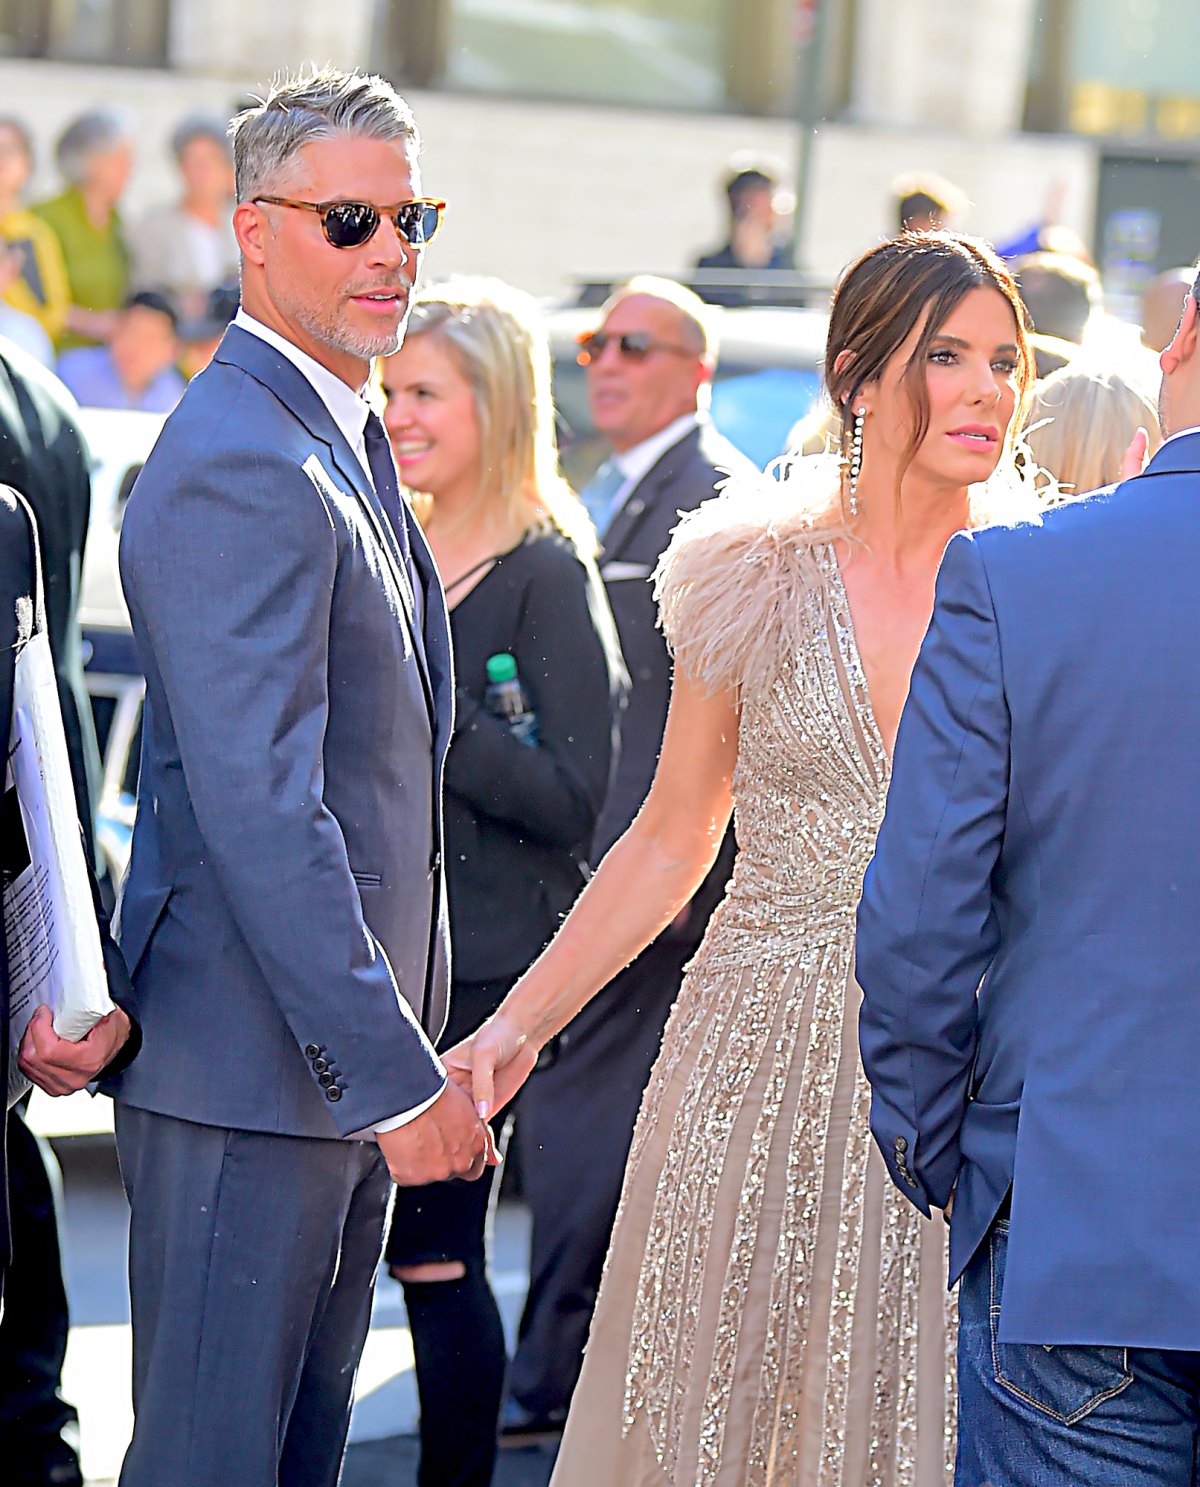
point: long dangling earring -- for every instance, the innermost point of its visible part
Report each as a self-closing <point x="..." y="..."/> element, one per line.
<point x="856" y="459"/>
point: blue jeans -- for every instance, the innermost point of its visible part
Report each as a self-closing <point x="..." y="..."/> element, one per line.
<point x="1033" y="1416"/>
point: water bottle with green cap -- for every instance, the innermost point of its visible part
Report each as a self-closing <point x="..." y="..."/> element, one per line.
<point x="507" y="699"/>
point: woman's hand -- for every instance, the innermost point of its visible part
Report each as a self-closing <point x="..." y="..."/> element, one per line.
<point x="493" y="1063"/>
<point x="1136" y="457"/>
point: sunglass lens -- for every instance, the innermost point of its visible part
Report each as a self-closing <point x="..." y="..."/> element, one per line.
<point x="349" y="224"/>
<point x="635" y="344"/>
<point x="591" y="347"/>
<point x="418" y="221"/>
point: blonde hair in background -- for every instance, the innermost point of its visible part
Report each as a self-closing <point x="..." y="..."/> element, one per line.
<point x="1081" y="421"/>
<point x="498" y="341"/>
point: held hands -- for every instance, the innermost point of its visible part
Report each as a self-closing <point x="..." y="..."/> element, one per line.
<point x="61" y="1067"/>
<point x="447" y="1140"/>
<point x="493" y="1063"/>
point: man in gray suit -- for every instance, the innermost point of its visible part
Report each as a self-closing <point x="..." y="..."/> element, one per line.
<point x="284" y="913"/>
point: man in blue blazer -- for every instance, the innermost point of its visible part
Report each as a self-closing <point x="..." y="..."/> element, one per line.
<point x="284" y="916"/>
<point x="1029" y="954"/>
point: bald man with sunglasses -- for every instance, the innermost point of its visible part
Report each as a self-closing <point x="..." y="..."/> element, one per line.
<point x="648" y="365"/>
<point x="284" y="917"/>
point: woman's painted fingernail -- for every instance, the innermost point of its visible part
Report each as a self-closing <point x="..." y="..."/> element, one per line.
<point x="483" y="1109"/>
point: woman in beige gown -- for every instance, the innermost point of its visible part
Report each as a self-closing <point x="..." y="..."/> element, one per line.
<point x="773" y="1313"/>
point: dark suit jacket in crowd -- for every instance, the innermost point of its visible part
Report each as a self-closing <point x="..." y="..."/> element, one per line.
<point x="284" y="913"/>
<point x="519" y="821"/>
<point x="44" y="457"/>
<point x="16" y="589"/>
<point x="684" y="477"/>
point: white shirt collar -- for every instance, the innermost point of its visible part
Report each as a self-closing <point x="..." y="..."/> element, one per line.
<point x="636" y="463"/>
<point x="348" y="409"/>
<point x="1182" y="434"/>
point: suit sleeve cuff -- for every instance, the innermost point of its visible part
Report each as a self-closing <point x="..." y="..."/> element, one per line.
<point x="396" y="1121"/>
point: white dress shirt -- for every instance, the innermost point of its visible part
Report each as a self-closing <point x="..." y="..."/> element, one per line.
<point x="349" y="410"/>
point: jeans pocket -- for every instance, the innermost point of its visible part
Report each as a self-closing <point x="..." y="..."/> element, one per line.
<point x="1066" y="1383"/>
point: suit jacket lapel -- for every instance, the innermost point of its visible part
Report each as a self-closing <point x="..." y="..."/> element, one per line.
<point x="644" y="494"/>
<point x="268" y="366"/>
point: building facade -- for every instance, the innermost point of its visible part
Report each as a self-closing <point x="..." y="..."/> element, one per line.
<point x="590" y="137"/>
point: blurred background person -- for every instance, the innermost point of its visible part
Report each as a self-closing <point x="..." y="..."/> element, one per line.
<point x="33" y="276"/>
<point x="188" y="250"/>
<point x="136" y="369"/>
<point x="649" y="364"/>
<point x="1082" y="421"/>
<point x="95" y="156"/>
<point x="925" y="202"/>
<point x="1061" y="293"/>
<point x="471" y="420"/>
<point x="756" y="239"/>
<point x="200" y="336"/>
<point x="1162" y="305"/>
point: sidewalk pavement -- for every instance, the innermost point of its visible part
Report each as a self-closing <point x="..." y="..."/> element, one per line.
<point x="393" y="1463"/>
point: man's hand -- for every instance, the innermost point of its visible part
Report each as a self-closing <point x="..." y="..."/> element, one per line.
<point x="493" y="1063"/>
<point x="447" y="1140"/>
<point x="61" y="1067"/>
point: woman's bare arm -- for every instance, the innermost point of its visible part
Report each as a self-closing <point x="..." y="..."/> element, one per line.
<point x="643" y="882"/>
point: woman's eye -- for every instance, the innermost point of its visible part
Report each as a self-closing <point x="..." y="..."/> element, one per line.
<point x="1005" y="365"/>
<point x="943" y="357"/>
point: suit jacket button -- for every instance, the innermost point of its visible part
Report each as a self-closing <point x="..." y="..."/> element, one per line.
<point x="320" y="1065"/>
<point x="326" y="1079"/>
<point x="900" y="1144"/>
<point x="314" y="1050"/>
<point x="333" y="1094"/>
<point x="909" y="1178"/>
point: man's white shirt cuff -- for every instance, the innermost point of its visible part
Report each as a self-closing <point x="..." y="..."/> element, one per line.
<point x="397" y="1121"/>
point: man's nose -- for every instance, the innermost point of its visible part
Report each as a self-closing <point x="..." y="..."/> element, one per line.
<point x="387" y="248"/>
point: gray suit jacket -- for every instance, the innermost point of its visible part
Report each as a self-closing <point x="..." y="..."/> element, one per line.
<point x="284" y="912"/>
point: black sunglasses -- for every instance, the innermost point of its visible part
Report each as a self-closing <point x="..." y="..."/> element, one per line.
<point x="636" y="345"/>
<point x="350" y="224"/>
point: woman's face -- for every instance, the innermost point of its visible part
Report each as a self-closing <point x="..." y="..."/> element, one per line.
<point x="431" y="420"/>
<point x="108" y="170"/>
<point x="14" y="164"/>
<point x="971" y="376"/>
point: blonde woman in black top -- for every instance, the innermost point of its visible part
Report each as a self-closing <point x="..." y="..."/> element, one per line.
<point x="471" y="422"/>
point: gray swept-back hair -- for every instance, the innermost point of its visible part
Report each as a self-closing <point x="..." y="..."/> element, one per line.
<point x="302" y="107"/>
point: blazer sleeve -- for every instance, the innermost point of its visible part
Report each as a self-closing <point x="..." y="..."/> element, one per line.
<point x="927" y="929"/>
<point x="234" y="604"/>
<point x="566" y="652"/>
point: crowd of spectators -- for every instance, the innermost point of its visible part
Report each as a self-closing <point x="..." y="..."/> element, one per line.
<point x="124" y="314"/>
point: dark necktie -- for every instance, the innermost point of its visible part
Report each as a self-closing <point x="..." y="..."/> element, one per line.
<point x="387" y="488"/>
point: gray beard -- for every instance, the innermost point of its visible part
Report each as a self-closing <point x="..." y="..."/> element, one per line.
<point x="340" y="338"/>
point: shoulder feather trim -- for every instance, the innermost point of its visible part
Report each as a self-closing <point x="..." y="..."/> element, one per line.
<point x="735" y="587"/>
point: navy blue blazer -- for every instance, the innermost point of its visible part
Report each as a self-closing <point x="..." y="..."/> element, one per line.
<point x="1042" y="837"/>
<point x="284" y="912"/>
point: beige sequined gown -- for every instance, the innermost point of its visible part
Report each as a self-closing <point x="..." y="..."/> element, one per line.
<point x="773" y="1313"/>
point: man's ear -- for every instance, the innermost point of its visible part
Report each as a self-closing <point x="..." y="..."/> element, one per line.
<point x="1182" y="346"/>
<point x="250" y="228"/>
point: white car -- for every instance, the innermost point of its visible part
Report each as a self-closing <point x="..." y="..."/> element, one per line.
<point x="119" y="442"/>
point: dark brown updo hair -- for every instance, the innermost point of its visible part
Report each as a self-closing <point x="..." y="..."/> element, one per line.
<point x="881" y="299"/>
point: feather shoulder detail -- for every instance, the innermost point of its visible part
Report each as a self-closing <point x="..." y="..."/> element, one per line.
<point x="736" y="586"/>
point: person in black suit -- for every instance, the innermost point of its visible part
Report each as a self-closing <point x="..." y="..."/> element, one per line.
<point x="33" y="1326"/>
<point x="471" y="424"/>
<point x="648" y="368"/>
<point x="44" y="458"/>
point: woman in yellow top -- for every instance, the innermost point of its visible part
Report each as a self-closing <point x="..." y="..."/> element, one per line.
<point x="95" y="155"/>
<point x="33" y="276"/>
